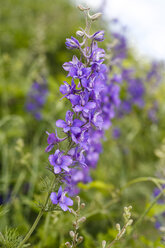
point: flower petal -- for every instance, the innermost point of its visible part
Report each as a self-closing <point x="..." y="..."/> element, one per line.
<point x="53" y="198"/>
<point x="66" y="161"/>
<point x="68" y="201"/>
<point x="57" y="169"/>
<point x="61" y="123"/>
<point x="63" y="206"/>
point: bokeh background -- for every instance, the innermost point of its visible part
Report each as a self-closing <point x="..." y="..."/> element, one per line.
<point x="32" y="48"/>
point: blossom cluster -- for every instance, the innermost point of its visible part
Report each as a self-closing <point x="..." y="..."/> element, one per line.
<point x="36" y="98"/>
<point x="93" y="99"/>
<point x="134" y="85"/>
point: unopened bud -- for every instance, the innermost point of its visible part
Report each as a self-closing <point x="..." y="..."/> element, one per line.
<point x="80" y="239"/>
<point x="130" y="222"/>
<point x="82" y="219"/>
<point x="82" y="205"/>
<point x="103" y="243"/>
<point x="118" y="227"/>
<point x="98" y="36"/>
<point x="80" y="33"/>
<point x="78" y="200"/>
<point x="80" y="7"/>
<point x="74" y="224"/>
<point x="95" y="16"/>
<point x="72" y="234"/>
<point x="68" y="245"/>
<point x="125" y="209"/>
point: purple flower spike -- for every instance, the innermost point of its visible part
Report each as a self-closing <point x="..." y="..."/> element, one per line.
<point x="61" y="199"/>
<point x="72" y="43"/>
<point x="60" y="161"/>
<point x="74" y="126"/>
<point x="52" y="140"/>
<point x="98" y="36"/>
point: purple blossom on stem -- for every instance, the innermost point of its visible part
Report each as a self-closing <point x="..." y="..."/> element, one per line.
<point x="74" y="126"/>
<point x="94" y="99"/>
<point x="52" y="140"/>
<point x="98" y="36"/>
<point x="60" y="161"/>
<point x="61" y="199"/>
<point x="72" y="43"/>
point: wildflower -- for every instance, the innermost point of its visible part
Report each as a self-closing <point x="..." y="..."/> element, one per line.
<point x="98" y="36"/>
<point x="61" y="199"/>
<point x="70" y="125"/>
<point x="60" y="161"/>
<point x="72" y="43"/>
<point x="67" y="89"/>
<point x="52" y="140"/>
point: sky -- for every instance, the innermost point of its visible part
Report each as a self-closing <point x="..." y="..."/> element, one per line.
<point x="145" y="22"/>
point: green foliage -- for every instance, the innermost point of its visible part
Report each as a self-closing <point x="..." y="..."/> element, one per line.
<point x="32" y="42"/>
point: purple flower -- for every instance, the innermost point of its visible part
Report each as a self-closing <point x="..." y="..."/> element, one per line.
<point x="81" y="138"/>
<point x="157" y="224"/>
<point x="152" y="112"/>
<point x="116" y="133"/>
<point x="36" y="98"/>
<point x="82" y="103"/>
<point x="136" y="91"/>
<point x="66" y="89"/>
<point x="94" y="100"/>
<point x="97" y="55"/>
<point x="76" y="68"/>
<point x="78" y="156"/>
<point x="72" y="43"/>
<point x="61" y="199"/>
<point x="120" y="49"/>
<point x="52" y="140"/>
<point x="74" y="126"/>
<point x="60" y="161"/>
<point x="75" y="176"/>
<point x="98" y="36"/>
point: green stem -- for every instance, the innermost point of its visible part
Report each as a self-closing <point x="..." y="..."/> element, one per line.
<point x="144" y="179"/>
<point x="31" y="229"/>
<point x="37" y="219"/>
<point x="145" y="213"/>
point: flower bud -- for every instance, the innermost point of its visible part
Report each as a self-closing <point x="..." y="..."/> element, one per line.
<point x="72" y="43"/>
<point x="103" y="243"/>
<point x="80" y="33"/>
<point x="130" y="222"/>
<point x="74" y="225"/>
<point x="72" y="234"/>
<point x="129" y="208"/>
<point x="82" y="205"/>
<point x="118" y="227"/>
<point x="80" y="239"/>
<point x="80" y="7"/>
<point x="98" y="36"/>
<point x="68" y="245"/>
<point x="95" y="16"/>
<point x="82" y="219"/>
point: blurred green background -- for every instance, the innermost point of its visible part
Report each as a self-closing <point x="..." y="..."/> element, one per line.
<point x="32" y="42"/>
